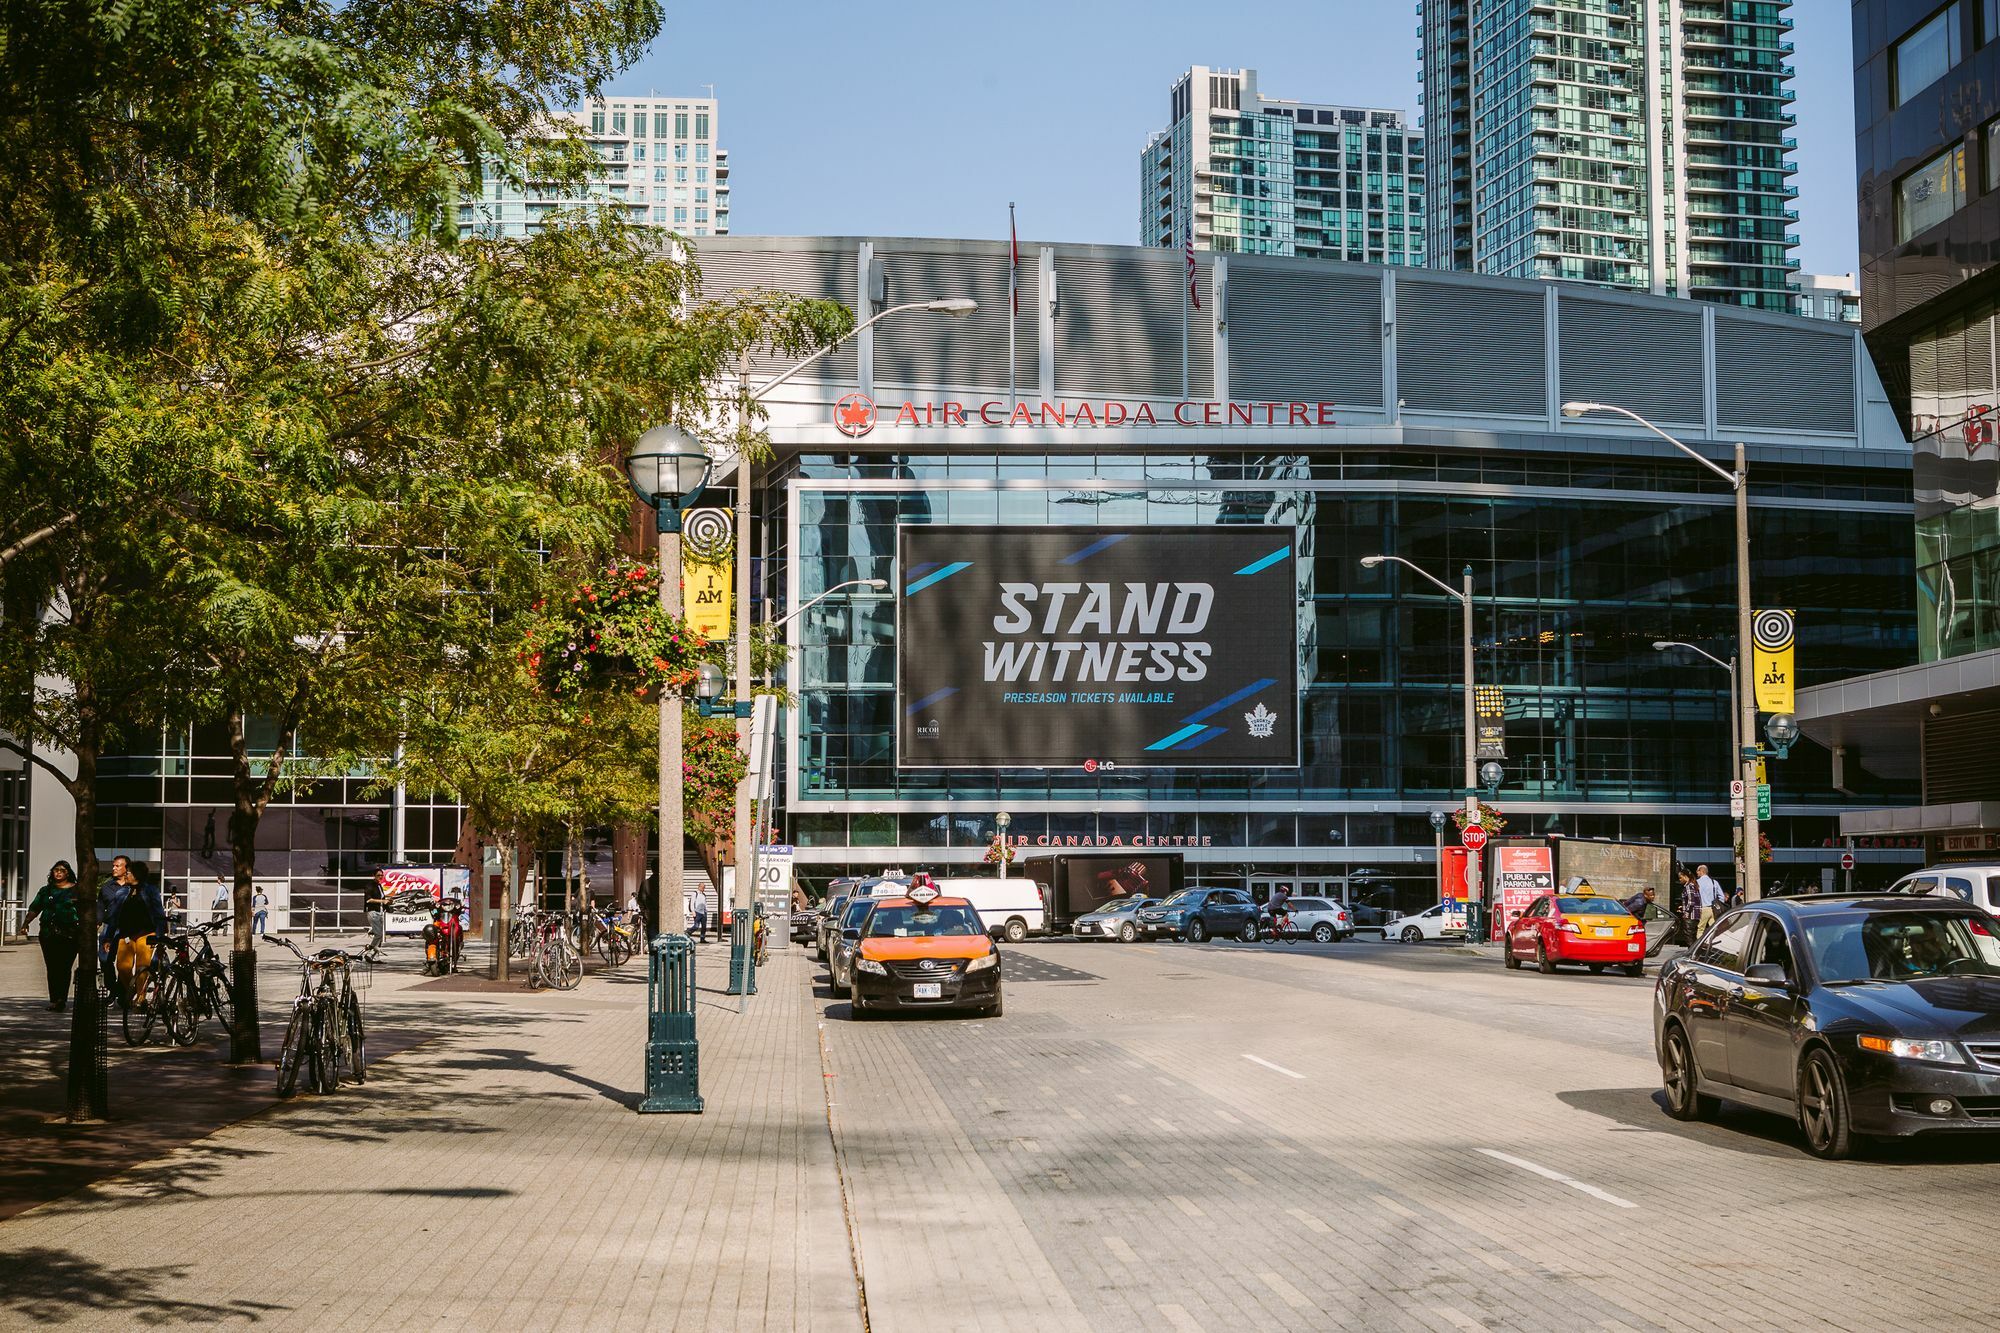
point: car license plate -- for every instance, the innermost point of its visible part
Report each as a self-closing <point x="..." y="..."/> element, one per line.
<point x="1603" y="932"/>
<point x="929" y="990"/>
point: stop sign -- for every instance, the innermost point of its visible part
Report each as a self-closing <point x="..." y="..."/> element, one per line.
<point x="1474" y="837"/>
<point x="1847" y="860"/>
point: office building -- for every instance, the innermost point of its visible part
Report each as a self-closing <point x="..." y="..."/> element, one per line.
<point x="1826" y="296"/>
<point x="1258" y="175"/>
<point x="658" y="162"/>
<point x="1636" y="144"/>
<point x="1927" y="141"/>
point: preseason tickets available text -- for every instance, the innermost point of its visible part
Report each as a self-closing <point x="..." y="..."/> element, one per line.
<point x="1144" y="629"/>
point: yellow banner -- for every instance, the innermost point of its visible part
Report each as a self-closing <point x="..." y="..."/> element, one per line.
<point x="708" y="593"/>
<point x="1772" y="634"/>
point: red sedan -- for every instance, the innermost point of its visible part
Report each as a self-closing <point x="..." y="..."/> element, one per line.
<point x="1577" y="928"/>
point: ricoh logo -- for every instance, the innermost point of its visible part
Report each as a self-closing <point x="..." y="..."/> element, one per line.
<point x="929" y="728"/>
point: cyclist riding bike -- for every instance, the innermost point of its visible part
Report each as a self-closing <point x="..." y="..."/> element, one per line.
<point x="131" y="914"/>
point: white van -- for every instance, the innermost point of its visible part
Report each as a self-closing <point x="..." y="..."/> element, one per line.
<point x="1011" y="908"/>
<point x="1977" y="883"/>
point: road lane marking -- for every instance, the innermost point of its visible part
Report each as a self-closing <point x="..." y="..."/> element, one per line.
<point x="1127" y="1100"/>
<point x="1493" y="1261"/>
<point x="1179" y="1318"/>
<point x="1186" y="1205"/>
<point x="1291" y="1295"/>
<point x="1120" y="1250"/>
<point x="1457" y="1317"/>
<point x="1310" y="1222"/>
<point x="1130" y="1160"/>
<point x="1260" y="1060"/>
<point x="1165" y="1125"/>
<point x="1396" y="1208"/>
<point x="1559" y="1178"/>
<point x="1226" y="1118"/>
<point x="1241" y="1174"/>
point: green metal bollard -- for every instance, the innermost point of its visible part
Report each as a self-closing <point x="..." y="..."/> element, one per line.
<point x="673" y="1065"/>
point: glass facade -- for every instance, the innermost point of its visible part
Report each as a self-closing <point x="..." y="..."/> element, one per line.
<point x="1571" y="595"/>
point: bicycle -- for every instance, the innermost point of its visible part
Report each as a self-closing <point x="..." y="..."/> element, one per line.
<point x="632" y="927"/>
<point x="553" y="960"/>
<point x="613" y="942"/>
<point x="325" y="1030"/>
<point x="162" y="995"/>
<point x="213" y="995"/>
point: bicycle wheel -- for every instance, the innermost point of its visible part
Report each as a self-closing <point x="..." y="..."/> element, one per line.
<point x="326" y="1039"/>
<point x="357" y="1037"/>
<point x="181" y="1019"/>
<point x="134" y="1010"/>
<point x="568" y="965"/>
<point x="295" y="1051"/>
<point x="221" y="1000"/>
<point x="153" y="999"/>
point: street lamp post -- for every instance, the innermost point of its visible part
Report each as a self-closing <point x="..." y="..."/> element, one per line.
<point x="668" y="469"/>
<point x="1735" y="723"/>
<point x="1001" y="821"/>
<point x="1745" y="684"/>
<point x="739" y="935"/>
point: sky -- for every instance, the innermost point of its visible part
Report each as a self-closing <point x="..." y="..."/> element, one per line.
<point x="874" y="117"/>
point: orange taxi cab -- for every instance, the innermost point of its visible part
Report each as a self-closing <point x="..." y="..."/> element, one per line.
<point x="924" y="951"/>
<point x="1578" y="925"/>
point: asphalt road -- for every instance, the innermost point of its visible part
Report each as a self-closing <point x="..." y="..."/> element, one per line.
<point x="1368" y="1136"/>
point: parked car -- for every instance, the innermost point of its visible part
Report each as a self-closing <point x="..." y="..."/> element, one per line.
<point x="1591" y="929"/>
<point x="924" y="952"/>
<point x="1321" y="918"/>
<point x="1370" y="918"/>
<point x="1858" y="1015"/>
<point x="845" y="936"/>
<point x="805" y="924"/>
<point x="1011" y="908"/>
<point x="1199" y="914"/>
<point x="1444" y="921"/>
<point x="824" y="928"/>
<point x="1976" y="884"/>
<point x="1115" y="920"/>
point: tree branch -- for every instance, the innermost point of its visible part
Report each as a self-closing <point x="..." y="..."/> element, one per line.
<point x="37" y="537"/>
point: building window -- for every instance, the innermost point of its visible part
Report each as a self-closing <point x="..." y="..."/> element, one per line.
<point x="680" y="125"/>
<point x="680" y="216"/>
<point x="618" y="122"/>
<point x="1989" y="20"/>
<point x="1931" y="193"/>
<point x="701" y="124"/>
<point x="597" y="120"/>
<point x="660" y="125"/>
<point x="1922" y="58"/>
<point x="1991" y="167"/>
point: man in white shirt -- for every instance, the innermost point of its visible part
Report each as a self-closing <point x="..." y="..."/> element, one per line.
<point x="1711" y="898"/>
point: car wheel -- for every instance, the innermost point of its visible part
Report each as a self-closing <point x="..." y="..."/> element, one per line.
<point x="1512" y="959"/>
<point x="1127" y="933"/>
<point x="1823" y="1113"/>
<point x="996" y="1010"/>
<point x="1323" y="933"/>
<point x="1249" y="932"/>
<point x="1596" y="969"/>
<point x="1017" y="930"/>
<point x="1412" y="935"/>
<point x="1197" y="931"/>
<point x="1635" y="969"/>
<point x="856" y="1010"/>
<point x="1677" y="1075"/>
<point x="1543" y="963"/>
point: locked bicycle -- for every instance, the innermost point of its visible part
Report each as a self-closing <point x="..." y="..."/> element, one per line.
<point x="553" y="959"/>
<point x="325" y="1036"/>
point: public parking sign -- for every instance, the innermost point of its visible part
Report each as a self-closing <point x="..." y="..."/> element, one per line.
<point x="1473" y="838"/>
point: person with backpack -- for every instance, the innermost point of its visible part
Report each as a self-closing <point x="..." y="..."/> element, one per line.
<point x="55" y="903"/>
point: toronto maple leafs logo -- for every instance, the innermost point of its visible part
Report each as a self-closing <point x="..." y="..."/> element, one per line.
<point x="1261" y="721"/>
<point x="854" y="415"/>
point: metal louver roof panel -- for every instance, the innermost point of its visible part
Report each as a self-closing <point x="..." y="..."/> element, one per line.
<point x="1776" y="375"/>
<point x="971" y="351"/>
<point x="1296" y="335"/>
<point x="1958" y="758"/>
<point x="1461" y="347"/>
<point x="1640" y="358"/>
<point x="1118" y="327"/>
<point x="826" y="274"/>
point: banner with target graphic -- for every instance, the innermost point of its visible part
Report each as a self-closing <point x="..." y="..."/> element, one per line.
<point x="708" y="567"/>
<point x="1772" y="633"/>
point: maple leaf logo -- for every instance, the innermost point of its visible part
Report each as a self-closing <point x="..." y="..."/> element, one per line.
<point x="854" y="414"/>
<point x="1261" y="722"/>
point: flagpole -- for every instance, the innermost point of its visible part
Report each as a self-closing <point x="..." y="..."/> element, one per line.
<point x="1013" y="303"/>
<point x="1186" y="287"/>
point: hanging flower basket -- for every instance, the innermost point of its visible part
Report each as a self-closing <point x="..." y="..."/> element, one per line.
<point x="612" y="633"/>
<point x="999" y="852"/>
<point x="1490" y="818"/>
<point x="1763" y="846"/>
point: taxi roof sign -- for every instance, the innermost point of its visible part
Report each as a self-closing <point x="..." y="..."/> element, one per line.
<point x="922" y="891"/>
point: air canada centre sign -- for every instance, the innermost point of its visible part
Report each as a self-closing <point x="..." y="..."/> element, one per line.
<point x="856" y="414"/>
<point x="1053" y="647"/>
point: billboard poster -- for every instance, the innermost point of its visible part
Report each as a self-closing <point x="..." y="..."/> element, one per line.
<point x="409" y="891"/>
<point x="1520" y="875"/>
<point x="708" y="570"/>
<point x="1773" y="634"/>
<point x="1097" y="648"/>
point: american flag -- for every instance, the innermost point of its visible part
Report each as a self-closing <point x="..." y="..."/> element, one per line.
<point x="1013" y="262"/>
<point x="1193" y="295"/>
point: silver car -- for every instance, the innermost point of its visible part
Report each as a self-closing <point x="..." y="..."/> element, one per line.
<point x="846" y="941"/>
<point x="1115" y="920"/>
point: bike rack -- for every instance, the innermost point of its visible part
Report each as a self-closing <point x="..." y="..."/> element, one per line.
<point x="673" y="1064"/>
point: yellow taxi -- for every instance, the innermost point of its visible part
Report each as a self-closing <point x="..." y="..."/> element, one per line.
<point x="924" y="951"/>
<point x="1579" y="925"/>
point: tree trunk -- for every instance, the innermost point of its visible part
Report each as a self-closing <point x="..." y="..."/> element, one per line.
<point x="500" y="959"/>
<point x="252" y="795"/>
<point x="88" y="1097"/>
<point x="628" y="864"/>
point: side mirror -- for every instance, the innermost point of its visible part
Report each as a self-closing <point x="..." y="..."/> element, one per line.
<point x="1767" y="974"/>
<point x="851" y="933"/>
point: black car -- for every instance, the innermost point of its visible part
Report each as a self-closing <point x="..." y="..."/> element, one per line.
<point x="1858" y="1016"/>
<point x="805" y="924"/>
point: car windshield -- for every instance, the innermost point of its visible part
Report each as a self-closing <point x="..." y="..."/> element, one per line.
<point x="855" y="909"/>
<point x="1900" y="946"/>
<point x="1124" y="904"/>
<point x="910" y="920"/>
<point x="1592" y="906"/>
<point x="1183" y="898"/>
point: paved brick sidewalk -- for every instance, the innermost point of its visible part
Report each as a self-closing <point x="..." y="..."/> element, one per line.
<point x="496" y="1176"/>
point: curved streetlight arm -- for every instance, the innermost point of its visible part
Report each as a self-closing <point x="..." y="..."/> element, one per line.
<point x="855" y="332"/>
<point x="1662" y="645"/>
<point x="1580" y="409"/>
<point x="1449" y="591"/>
<point x="788" y="617"/>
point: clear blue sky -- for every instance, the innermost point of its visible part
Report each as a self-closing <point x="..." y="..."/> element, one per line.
<point x="924" y="118"/>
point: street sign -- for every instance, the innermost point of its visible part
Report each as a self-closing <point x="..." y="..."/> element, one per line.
<point x="1736" y="806"/>
<point x="1847" y="860"/>
<point x="1736" y="790"/>
<point x="1763" y="800"/>
<point x="1473" y="838"/>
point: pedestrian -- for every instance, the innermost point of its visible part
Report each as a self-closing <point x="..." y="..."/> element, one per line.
<point x="55" y="903"/>
<point x="131" y="913"/>
<point x="220" y="907"/>
<point x="260" y="910"/>
<point x="701" y="917"/>
<point x="1710" y="895"/>
<point x="377" y="912"/>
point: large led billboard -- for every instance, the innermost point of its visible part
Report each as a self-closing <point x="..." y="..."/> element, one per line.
<point x="1061" y="647"/>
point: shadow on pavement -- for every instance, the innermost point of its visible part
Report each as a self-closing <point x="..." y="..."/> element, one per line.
<point x="49" y="1286"/>
<point x="1761" y="1134"/>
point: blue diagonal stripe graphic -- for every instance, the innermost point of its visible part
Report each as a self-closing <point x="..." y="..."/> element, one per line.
<point x="938" y="577"/>
<point x="1167" y="742"/>
<point x="1203" y="739"/>
<point x="1258" y="566"/>
<point x="930" y="699"/>
<point x="1093" y="549"/>
<point x="1235" y="698"/>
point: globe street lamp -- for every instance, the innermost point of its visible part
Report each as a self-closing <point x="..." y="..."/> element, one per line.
<point x="741" y="982"/>
<point x="668" y="468"/>
<point x="1746" y="691"/>
<point x="1001" y="821"/>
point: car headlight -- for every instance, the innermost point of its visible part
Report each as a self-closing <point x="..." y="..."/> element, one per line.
<point x="982" y="963"/>
<point x="870" y="965"/>
<point x="1939" y="1052"/>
